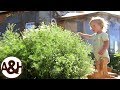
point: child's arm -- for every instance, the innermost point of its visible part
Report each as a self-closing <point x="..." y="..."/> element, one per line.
<point x="105" y="46"/>
<point x="87" y="36"/>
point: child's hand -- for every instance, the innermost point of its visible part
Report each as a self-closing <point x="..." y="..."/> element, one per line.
<point x="101" y="52"/>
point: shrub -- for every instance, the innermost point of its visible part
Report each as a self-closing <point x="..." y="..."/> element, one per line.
<point x="48" y="52"/>
<point x="115" y="61"/>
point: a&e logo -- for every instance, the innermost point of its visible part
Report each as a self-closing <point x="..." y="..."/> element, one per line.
<point x="11" y="67"/>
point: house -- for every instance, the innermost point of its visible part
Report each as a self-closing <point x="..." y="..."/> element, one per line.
<point x="79" y="22"/>
<point x="26" y="19"/>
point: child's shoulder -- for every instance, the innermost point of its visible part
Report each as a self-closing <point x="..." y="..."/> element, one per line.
<point x="104" y="33"/>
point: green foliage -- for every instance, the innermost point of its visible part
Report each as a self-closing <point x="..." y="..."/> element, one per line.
<point x="48" y="52"/>
<point x="11" y="44"/>
<point x="115" y="61"/>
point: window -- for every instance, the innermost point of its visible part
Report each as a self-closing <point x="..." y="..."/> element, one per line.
<point x="79" y="26"/>
<point x="30" y="25"/>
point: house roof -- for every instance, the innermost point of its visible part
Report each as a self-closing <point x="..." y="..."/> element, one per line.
<point x="2" y="11"/>
<point x="116" y="13"/>
<point x="64" y="13"/>
<point x="113" y="12"/>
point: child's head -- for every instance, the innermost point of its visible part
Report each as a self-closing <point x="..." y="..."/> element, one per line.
<point x="98" y="23"/>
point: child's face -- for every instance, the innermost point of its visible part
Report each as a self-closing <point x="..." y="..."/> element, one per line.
<point x="95" y="26"/>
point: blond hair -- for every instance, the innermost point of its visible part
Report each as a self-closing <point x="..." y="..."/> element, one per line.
<point x="101" y="21"/>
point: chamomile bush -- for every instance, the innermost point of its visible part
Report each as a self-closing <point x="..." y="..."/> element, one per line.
<point x="48" y="52"/>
